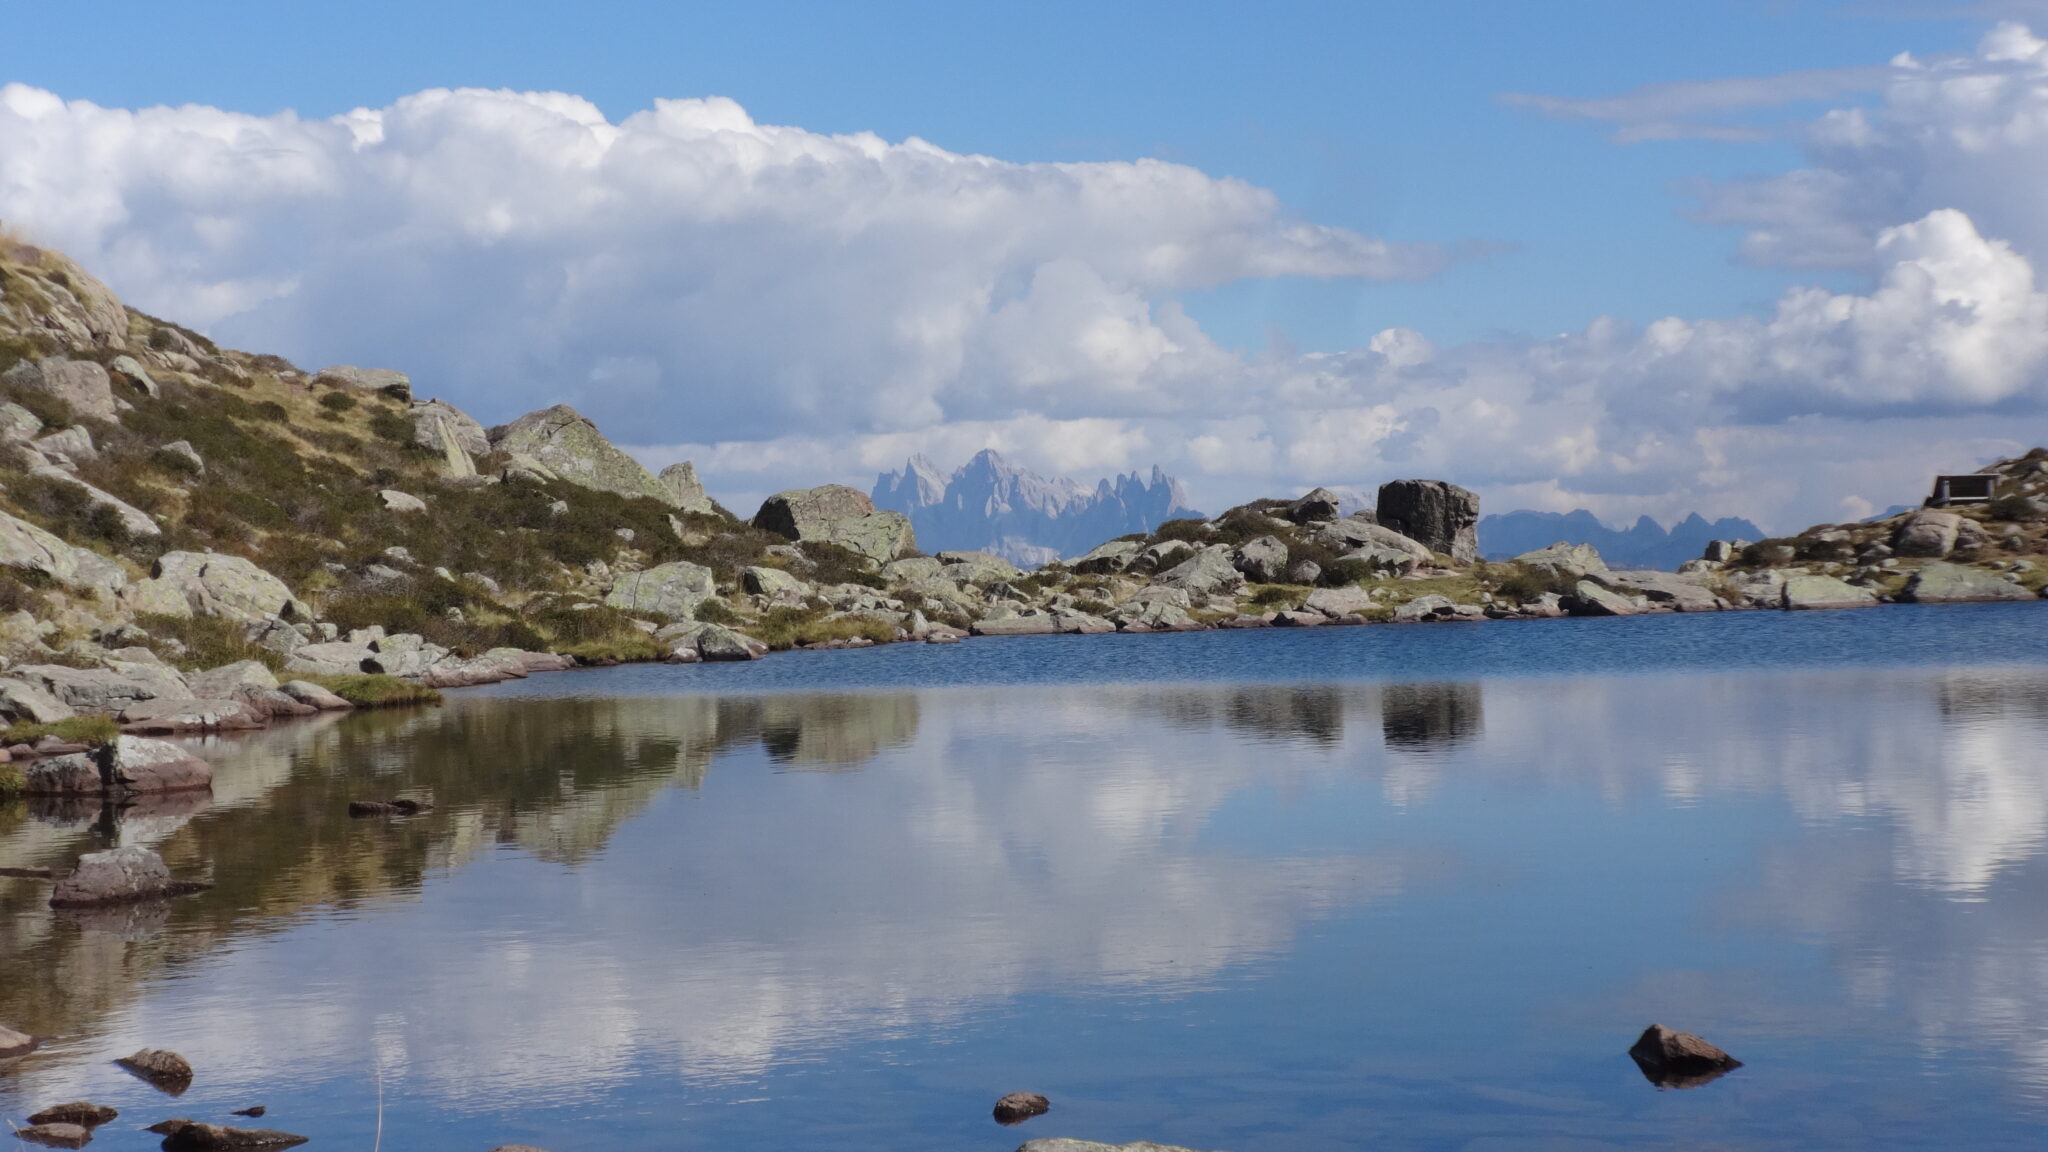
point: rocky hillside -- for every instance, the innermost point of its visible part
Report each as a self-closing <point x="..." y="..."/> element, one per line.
<point x="193" y="537"/>
<point x="990" y="505"/>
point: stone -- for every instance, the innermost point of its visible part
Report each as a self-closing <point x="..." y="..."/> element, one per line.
<point x="1164" y="554"/>
<point x="79" y="1112"/>
<point x="1564" y="559"/>
<point x="1207" y="572"/>
<point x="1263" y="560"/>
<point x="912" y="569"/>
<point x="385" y="380"/>
<point x="1305" y="572"/>
<point x="569" y="447"/>
<point x="397" y="501"/>
<point x="82" y="385"/>
<point x="72" y="446"/>
<point x="160" y="716"/>
<point x="130" y="369"/>
<point x="1928" y="535"/>
<point x="103" y="689"/>
<point x="1109" y="557"/>
<point x="1032" y="623"/>
<point x="717" y="642"/>
<point x="836" y="514"/>
<point x="14" y="1045"/>
<point x="978" y="567"/>
<point x="116" y="876"/>
<point x="1318" y="505"/>
<point x="1018" y="1107"/>
<point x="125" y="766"/>
<point x="196" y="1137"/>
<point x="214" y="584"/>
<point x="1353" y="533"/>
<point x="1350" y="600"/>
<point x="674" y="590"/>
<point x="21" y="700"/>
<point x="1804" y="593"/>
<point x="235" y="681"/>
<point x="450" y="433"/>
<point x="686" y="492"/>
<point x="1591" y="599"/>
<point x="18" y="424"/>
<point x="1422" y="608"/>
<point x="763" y="581"/>
<point x="1438" y="515"/>
<point x="405" y="654"/>
<point x="160" y="1067"/>
<point x="1943" y="583"/>
<point x="334" y="658"/>
<point x="1663" y="589"/>
<point x="23" y="545"/>
<point x="1718" y="552"/>
<point x="400" y="807"/>
<point x="1671" y="1059"/>
<point x="55" y="1135"/>
<point x="1299" y="618"/>
<point x="134" y="521"/>
<point x="184" y="452"/>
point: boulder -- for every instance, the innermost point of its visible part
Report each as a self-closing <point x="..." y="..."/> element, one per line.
<point x="1320" y="504"/>
<point x="836" y="514"/>
<point x="1564" y="559"/>
<point x="129" y="369"/>
<point x="1928" y="535"/>
<point x="912" y="569"/>
<point x="763" y="581"/>
<point x="103" y="689"/>
<point x="18" y="424"/>
<point x="134" y="521"/>
<point x="216" y="585"/>
<point x="237" y="681"/>
<point x="1305" y="572"/>
<point x="1943" y="583"/>
<point x="1018" y="1107"/>
<point x="1803" y="593"/>
<point x="685" y="491"/>
<point x="674" y="589"/>
<point x="1106" y="558"/>
<point x="397" y="501"/>
<point x="192" y="715"/>
<point x="1672" y="1059"/>
<point x="406" y="654"/>
<point x="82" y="385"/>
<point x="70" y="446"/>
<point x="21" y="700"/>
<point x="23" y="545"/>
<point x="117" y="876"/>
<point x="1354" y="533"/>
<point x="184" y="453"/>
<point x="334" y="658"/>
<point x="1263" y="560"/>
<point x="1333" y="602"/>
<point x="450" y="433"/>
<point x="978" y="567"/>
<point x="126" y="766"/>
<point x="1206" y="573"/>
<point x="570" y="447"/>
<point x="1062" y="1144"/>
<point x="385" y="380"/>
<point x="79" y="1112"/>
<point x="1033" y="623"/>
<point x="1422" y="608"/>
<point x="1718" y="552"/>
<point x="14" y="1045"/>
<point x="196" y="1137"/>
<point x="1591" y="599"/>
<point x="1663" y="589"/>
<point x="58" y="1135"/>
<point x="697" y="640"/>
<point x="1441" y="516"/>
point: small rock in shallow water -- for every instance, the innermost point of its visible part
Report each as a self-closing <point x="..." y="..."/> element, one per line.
<point x="77" y="1112"/>
<point x="387" y="807"/>
<point x="1018" y="1107"/>
<point x="13" y="1044"/>
<point x="1671" y="1059"/>
<point x="165" y="1070"/>
<point x="56" y="1135"/>
<point x="1061" y="1144"/>
<point x="252" y="1113"/>
<point x="197" y="1137"/>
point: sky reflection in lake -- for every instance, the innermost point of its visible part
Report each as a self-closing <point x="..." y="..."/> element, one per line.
<point x="1421" y="914"/>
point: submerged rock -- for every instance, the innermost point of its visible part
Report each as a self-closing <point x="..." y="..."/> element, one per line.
<point x="164" y="1070"/>
<point x="1672" y="1059"/>
<point x="78" y="1112"/>
<point x="400" y="807"/>
<point x="56" y="1135"/>
<point x="197" y="1137"/>
<point x="1018" y="1107"/>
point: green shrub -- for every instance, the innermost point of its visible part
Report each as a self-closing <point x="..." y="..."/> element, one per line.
<point x="91" y="731"/>
<point x="337" y="401"/>
<point x="271" y="410"/>
<point x="784" y="628"/>
<point x="376" y="690"/>
<point x="203" y="642"/>
<point x="1193" y="530"/>
<point x="2012" y="509"/>
<point x="1269" y="595"/>
<point x="1523" y="583"/>
<point x="1339" y="573"/>
<point x="21" y="590"/>
<point x="11" y="781"/>
<point x="716" y="611"/>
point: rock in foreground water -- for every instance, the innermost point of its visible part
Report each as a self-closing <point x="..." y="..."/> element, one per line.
<point x="165" y="1070"/>
<point x="1672" y="1059"/>
<point x="16" y="1044"/>
<point x="1018" y="1107"/>
<point x="197" y="1137"/>
<point x="117" y="876"/>
<point x="56" y="1135"/>
<point x="1062" y="1144"/>
<point x="77" y="1112"/>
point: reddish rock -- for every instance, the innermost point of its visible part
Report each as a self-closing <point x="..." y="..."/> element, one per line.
<point x="1671" y="1059"/>
<point x="197" y="1137"/>
<point x="1018" y="1107"/>
<point x="77" y="1112"/>
<point x="166" y="1071"/>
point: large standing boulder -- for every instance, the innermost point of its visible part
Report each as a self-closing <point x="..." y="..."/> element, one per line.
<point x="674" y="589"/>
<point x="116" y="876"/>
<point x="1441" y="516"/>
<point x="127" y="766"/>
<point x="1206" y="572"/>
<point x="1931" y="535"/>
<point x="836" y="514"/>
<point x="570" y="447"/>
<point x="685" y="491"/>
<point x="1263" y="560"/>
<point x="23" y="545"/>
<point x="1319" y="504"/>
<point x="82" y="385"/>
<point x="450" y="433"/>
<point x="1942" y="583"/>
<point x="215" y="584"/>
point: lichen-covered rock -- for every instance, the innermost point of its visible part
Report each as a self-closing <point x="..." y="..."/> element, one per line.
<point x="1031" y="623"/>
<point x="82" y="385"/>
<point x="397" y="501"/>
<point x="1805" y="593"/>
<point x="1663" y="590"/>
<point x="126" y="766"/>
<point x="184" y="453"/>
<point x="1113" y="556"/>
<point x="569" y="446"/>
<point x="1205" y="573"/>
<point x="215" y="584"/>
<point x="450" y="433"/>
<point x="1319" y="504"/>
<point x="836" y="514"/>
<point x="163" y="715"/>
<point x="1346" y="601"/>
<point x="1439" y="515"/>
<point x="685" y="491"/>
<point x="763" y="581"/>
<point x="116" y="876"/>
<point x="333" y="658"/>
<point x="1263" y="560"/>
<point x="978" y="567"/>
<point x="1928" y="535"/>
<point x="23" y="545"/>
<point x="1591" y="599"/>
<point x="1574" y="560"/>
<point x="18" y="424"/>
<point x="1942" y="583"/>
<point x="674" y="590"/>
<point x="383" y="380"/>
<point x="104" y="689"/>
<point x="22" y="700"/>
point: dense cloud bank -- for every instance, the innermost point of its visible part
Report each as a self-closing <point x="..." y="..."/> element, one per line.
<point x="785" y="306"/>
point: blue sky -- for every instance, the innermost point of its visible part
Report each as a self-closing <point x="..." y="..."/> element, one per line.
<point x="1393" y="122"/>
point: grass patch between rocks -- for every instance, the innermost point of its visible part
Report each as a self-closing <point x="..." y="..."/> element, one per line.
<point x="91" y="731"/>
<point x="376" y="690"/>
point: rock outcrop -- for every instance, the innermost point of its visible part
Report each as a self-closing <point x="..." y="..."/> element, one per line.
<point x="567" y="445"/>
<point x="685" y="491"/>
<point x="450" y="433"/>
<point x="216" y="584"/>
<point x="25" y="546"/>
<point x="1942" y="583"/>
<point x="673" y="590"/>
<point x="80" y="385"/>
<point x="1441" y="516"/>
<point x="126" y="766"/>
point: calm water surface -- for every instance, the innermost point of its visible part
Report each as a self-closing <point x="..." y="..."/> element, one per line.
<point x="1379" y="888"/>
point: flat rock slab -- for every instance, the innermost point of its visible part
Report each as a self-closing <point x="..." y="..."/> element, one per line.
<point x="55" y="1135"/>
<point x="126" y="766"/>
<point x="80" y="1112"/>
<point x="1943" y="583"/>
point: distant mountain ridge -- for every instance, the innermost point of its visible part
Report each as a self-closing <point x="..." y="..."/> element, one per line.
<point x="991" y="505"/>
<point x="1645" y="544"/>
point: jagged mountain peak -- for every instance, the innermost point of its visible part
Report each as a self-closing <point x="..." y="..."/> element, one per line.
<point x="990" y="504"/>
